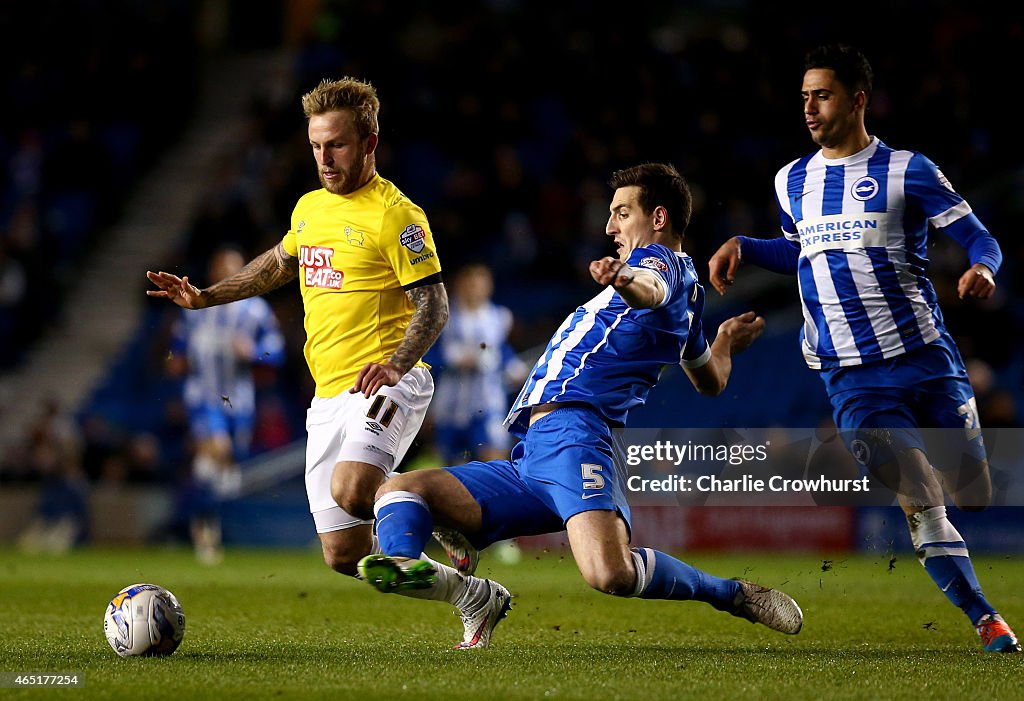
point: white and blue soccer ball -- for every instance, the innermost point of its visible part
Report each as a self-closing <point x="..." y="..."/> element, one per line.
<point x="144" y="619"/>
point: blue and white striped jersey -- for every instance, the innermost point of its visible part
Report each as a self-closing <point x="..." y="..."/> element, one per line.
<point x="473" y="355"/>
<point x="861" y="224"/>
<point x="208" y="338"/>
<point x="608" y="355"/>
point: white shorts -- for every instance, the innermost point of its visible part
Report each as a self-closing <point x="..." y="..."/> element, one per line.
<point x="350" y="427"/>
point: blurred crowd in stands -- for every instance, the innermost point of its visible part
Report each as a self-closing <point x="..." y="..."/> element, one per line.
<point x="504" y="120"/>
<point x="91" y="95"/>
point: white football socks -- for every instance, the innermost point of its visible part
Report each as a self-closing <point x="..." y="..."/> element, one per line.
<point x="932" y="526"/>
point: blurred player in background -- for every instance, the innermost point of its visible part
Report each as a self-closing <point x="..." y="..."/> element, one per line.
<point x="374" y="303"/>
<point x="599" y="364"/>
<point x="855" y="219"/>
<point x="469" y="407"/>
<point x="215" y="350"/>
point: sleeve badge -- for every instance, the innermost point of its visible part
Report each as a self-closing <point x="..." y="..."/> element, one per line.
<point x="413" y="238"/>
<point x="654" y="264"/>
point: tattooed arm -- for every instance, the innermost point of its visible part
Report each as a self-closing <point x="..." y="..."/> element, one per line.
<point x="431" y="314"/>
<point x="427" y="321"/>
<point x="264" y="273"/>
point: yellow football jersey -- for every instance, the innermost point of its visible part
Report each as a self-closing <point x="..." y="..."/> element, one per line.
<point x="355" y="253"/>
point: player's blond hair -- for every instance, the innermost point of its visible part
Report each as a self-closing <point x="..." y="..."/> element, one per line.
<point x="345" y="94"/>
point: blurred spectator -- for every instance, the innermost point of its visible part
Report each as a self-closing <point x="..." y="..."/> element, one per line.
<point x="52" y="457"/>
<point x="101" y="441"/>
<point x="13" y="286"/>
<point x="52" y="445"/>
<point x="69" y="147"/>
<point x="136" y="461"/>
<point x="61" y="519"/>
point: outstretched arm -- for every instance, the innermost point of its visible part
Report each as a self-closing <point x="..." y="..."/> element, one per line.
<point x="638" y="287"/>
<point x="778" y="255"/>
<point x="723" y="264"/>
<point x="427" y="321"/>
<point x="734" y="336"/>
<point x="266" y="272"/>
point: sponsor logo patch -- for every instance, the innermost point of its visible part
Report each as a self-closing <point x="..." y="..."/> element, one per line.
<point x="842" y="231"/>
<point x="317" y="270"/>
<point x="654" y="264"/>
<point x="413" y="238"/>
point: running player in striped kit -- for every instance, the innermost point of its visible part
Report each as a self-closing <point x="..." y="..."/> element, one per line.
<point x="471" y="398"/>
<point x="855" y="219"/>
<point x="215" y="349"/>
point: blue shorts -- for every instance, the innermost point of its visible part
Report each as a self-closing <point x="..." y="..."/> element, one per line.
<point x="926" y="388"/>
<point x="563" y="467"/>
<point x="484" y="431"/>
<point x="206" y="421"/>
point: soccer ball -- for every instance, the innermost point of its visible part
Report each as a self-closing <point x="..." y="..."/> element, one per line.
<point x="144" y="619"/>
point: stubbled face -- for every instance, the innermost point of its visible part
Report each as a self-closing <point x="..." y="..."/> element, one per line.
<point x="343" y="160"/>
<point x="829" y="108"/>
<point x="628" y="224"/>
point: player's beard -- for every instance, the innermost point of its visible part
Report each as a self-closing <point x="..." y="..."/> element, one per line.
<point x="349" y="181"/>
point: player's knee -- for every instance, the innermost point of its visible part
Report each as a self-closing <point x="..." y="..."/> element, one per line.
<point x="398" y="483"/>
<point x="353" y="498"/>
<point x="355" y="504"/>
<point x="408" y="482"/>
<point x="617" y="581"/>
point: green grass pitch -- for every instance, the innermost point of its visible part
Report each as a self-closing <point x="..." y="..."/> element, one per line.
<point x="278" y="625"/>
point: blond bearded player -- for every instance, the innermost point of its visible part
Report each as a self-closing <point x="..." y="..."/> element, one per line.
<point x="374" y="303"/>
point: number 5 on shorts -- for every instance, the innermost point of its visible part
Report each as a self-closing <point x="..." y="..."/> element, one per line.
<point x="592" y="477"/>
<point x="972" y="426"/>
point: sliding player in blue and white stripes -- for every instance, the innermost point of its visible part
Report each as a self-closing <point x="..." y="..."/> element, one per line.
<point x="600" y="363"/>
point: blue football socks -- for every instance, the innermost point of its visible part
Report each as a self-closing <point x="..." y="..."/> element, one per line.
<point x="404" y="524"/>
<point x="661" y="576"/>
<point x="942" y="551"/>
